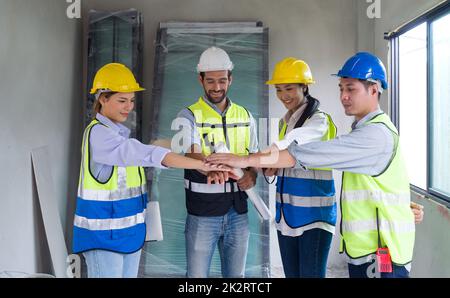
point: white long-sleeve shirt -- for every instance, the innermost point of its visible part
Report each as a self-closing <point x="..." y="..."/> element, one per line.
<point x="312" y="130"/>
<point x="367" y="149"/>
<point x="110" y="146"/>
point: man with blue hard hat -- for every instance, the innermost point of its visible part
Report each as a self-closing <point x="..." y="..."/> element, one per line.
<point x="377" y="216"/>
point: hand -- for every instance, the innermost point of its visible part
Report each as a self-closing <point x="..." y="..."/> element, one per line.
<point x="417" y="211"/>
<point x="248" y="180"/>
<point x="228" y="159"/>
<point x="270" y="171"/>
<point x="206" y="167"/>
<point x="217" y="177"/>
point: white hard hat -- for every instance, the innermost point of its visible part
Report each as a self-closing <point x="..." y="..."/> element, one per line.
<point x="213" y="59"/>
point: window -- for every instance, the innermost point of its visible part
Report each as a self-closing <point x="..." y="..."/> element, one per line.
<point x="420" y="72"/>
<point x="413" y="98"/>
<point x="440" y="105"/>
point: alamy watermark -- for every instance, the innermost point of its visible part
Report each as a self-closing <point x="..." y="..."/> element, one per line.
<point x="74" y="9"/>
<point x="372" y="270"/>
<point x="74" y="268"/>
<point x="374" y="9"/>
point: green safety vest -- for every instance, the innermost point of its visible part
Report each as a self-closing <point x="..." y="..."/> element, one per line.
<point x="389" y="194"/>
<point x="233" y="129"/>
<point x="109" y="215"/>
<point x="329" y="135"/>
<point x="305" y="198"/>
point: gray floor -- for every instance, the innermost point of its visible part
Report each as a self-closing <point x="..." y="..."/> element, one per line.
<point x="332" y="272"/>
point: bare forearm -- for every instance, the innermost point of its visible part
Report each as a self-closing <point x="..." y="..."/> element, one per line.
<point x="274" y="159"/>
<point x="174" y="160"/>
<point x="195" y="152"/>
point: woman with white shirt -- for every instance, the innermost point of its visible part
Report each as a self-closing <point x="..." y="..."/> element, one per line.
<point x="305" y="199"/>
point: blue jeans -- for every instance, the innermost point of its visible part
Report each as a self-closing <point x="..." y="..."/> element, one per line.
<point x="108" y="264"/>
<point x="229" y="232"/>
<point x="305" y="255"/>
<point x="363" y="271"/>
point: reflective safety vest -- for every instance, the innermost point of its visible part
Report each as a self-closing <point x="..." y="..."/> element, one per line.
<point x="305" y="198"/>
<point x="109" y="215"/>
<point x="385" y="197"/>
<point x="232" y="129"/>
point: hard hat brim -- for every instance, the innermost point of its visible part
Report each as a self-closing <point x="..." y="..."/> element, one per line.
<point x="289" y="81"/>
<point x="93" y="91"/>
<point x="384" y="85"/>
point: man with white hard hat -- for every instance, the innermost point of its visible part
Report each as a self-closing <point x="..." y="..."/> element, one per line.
<point x="216" y="202"/>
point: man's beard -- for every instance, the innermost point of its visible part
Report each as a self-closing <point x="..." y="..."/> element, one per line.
<point x="216" y="100"/>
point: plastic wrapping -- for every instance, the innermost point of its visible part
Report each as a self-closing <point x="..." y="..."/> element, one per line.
<point x="116" y="37"/>
<point x="176" y="86"/>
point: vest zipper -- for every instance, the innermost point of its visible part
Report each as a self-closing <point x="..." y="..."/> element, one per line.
<point x="224" y="124"/>
<point x="340" y="224"/>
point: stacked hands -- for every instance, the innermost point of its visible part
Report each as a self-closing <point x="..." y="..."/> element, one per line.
<point x="229" y="161"/>
<point x="220" y="168"/>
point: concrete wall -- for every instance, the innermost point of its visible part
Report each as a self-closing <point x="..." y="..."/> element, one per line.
<point x="431" y="247"/>
<point x="323" y="33"/>
<point x="40" y="63"/>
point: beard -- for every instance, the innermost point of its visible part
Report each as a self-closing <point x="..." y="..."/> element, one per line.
<point x="215" y="100"/>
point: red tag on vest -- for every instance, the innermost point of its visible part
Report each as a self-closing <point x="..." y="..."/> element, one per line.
<point x="384" y="260"/>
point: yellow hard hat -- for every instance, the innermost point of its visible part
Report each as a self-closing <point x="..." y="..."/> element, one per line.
<point x="115" y="77"/>
<point x="291" y="70"/>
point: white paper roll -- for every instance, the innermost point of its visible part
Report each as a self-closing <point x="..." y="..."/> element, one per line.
<point x="153" y="222"/>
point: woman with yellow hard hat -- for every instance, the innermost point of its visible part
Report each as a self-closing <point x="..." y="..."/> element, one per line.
<point x="109" y="225"/>
<point x="305" y="199"/>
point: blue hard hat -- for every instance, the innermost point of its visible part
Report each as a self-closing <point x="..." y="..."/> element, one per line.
<point x="364" y="66"/>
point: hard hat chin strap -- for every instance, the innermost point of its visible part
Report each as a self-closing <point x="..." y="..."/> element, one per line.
<point x="99" y="92"/>
<point x="378" y="82"/>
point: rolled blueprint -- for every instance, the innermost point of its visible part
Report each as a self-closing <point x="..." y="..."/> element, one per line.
<point x="254" y="197"/>
<point x="153" y="222"/>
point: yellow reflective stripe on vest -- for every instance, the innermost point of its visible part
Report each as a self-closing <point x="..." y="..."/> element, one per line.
<point x="210" y="126"/>
<point x="111" y="195"/>
<point x="306" y="201"/>
<point x="316" y="174"/>
<point x="357" y="226"/>
<point x="109" y="223"/>
<point x="378" y="196"/>
<point x="388" y="192"/>
<point x="220" y="125"/>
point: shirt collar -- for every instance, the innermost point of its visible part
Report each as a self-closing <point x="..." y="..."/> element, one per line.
<point x="358" y="124"/>
<point x="120" y="128"/>
<point x="215" y="108"/>
<point x="297" y="114"/>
